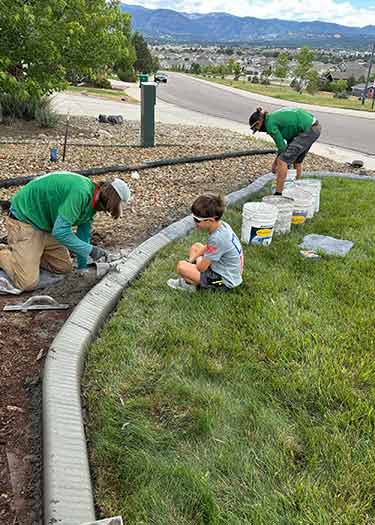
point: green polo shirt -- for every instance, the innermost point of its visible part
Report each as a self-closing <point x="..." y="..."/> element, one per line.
<point x="285" y="124"/>
<point x="64" y="194"/>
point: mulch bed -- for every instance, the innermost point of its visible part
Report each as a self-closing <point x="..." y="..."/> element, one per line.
<point x="160" y="196"/>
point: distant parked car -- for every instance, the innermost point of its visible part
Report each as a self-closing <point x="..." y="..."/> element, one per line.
<point x="160" y="77"/>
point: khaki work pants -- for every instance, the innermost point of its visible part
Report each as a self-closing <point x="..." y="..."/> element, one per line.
<point x="29" y="249"/>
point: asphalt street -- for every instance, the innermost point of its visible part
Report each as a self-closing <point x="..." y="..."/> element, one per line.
<point x="345" y="131"/>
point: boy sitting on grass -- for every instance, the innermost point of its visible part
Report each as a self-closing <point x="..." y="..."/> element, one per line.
<point x="218" y="264"/>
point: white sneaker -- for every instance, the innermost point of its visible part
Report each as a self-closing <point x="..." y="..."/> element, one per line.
<point x="181" y="284"/>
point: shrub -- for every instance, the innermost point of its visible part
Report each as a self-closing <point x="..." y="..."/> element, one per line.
<point x="339" y="86"/>
<point x="341" y="94"/>
<point x="102" y="82"/>
<point x="39" y="109"/>
<point x="127" y="76"/>
<point x="45" y="116"/>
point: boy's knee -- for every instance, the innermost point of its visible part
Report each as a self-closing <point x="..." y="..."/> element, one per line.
<point x="180" y="266"/>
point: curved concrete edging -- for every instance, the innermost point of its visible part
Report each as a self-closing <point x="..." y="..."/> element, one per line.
<point x="68" y="495"/>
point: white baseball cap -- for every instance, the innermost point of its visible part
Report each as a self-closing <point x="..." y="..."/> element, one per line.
<point x="122" y="189"/>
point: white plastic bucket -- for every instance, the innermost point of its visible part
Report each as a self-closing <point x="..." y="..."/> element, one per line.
<point x="258" y="221"/>
<point x="291" y="175"/>
<point x="289" y="180"/>
<point x="303" y="204"/>
<point x="313" y="186"/>
<point x="284" y="206"/>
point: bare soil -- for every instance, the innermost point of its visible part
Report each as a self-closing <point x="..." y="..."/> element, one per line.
<point x="160" y="196"/>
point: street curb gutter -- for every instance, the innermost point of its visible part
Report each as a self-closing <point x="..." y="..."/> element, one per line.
<point x="68" y="494"/>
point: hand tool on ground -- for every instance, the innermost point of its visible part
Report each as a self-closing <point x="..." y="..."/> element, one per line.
<point x="37" y="302"/>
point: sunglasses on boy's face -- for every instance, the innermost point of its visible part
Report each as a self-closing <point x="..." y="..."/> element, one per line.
<point x="202" y="219"/>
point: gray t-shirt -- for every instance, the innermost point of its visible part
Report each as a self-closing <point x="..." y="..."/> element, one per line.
<point x="224" y="250"/>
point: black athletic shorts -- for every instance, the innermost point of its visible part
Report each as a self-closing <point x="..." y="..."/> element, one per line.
<point x="211" y="280"/>
<point x="300" y="145"/>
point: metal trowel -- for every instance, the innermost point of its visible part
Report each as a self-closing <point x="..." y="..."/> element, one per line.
<point x="36" y="302"/>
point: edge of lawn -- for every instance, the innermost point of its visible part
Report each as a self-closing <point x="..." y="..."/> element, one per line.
<point x="68" y="492"/>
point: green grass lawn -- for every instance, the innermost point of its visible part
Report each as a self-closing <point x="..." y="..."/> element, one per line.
<point x="322" y="98"/>
<point x="107" y="93"/>
<point x="253" y="407"/>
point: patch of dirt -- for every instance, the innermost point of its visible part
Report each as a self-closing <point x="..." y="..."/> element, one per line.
<point x="22" y="338"/>
<point x="160" y="196"/>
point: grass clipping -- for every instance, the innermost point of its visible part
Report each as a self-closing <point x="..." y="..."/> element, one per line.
<point x="249" y="407"/>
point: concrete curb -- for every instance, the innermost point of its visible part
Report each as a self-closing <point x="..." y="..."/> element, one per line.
<point x="68" y="495"/>
<point x="109" y="521"/>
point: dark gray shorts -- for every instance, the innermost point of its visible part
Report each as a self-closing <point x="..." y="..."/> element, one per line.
<point x="300" y="145"/>
<point x="211" y="280"/>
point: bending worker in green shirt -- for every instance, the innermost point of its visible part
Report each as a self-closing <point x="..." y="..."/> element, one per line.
<point x="40" y="221"/>
<point x="294" y="132"/>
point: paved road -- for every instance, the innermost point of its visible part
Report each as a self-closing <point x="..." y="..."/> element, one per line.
<point x="348" y="132"/>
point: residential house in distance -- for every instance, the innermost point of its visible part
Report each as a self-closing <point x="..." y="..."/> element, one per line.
<point x="358" y="89"/>
<point x="349" y="70"/>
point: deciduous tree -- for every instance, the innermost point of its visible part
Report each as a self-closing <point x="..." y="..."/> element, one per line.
<point x="44" y="41"/>
<point x="304" y="57"/>
<point x="282" y="64"/>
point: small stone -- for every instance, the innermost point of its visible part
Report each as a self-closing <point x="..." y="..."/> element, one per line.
<point x="135" y="175"/>
<point x="12" y="408"/>
<point x="103" y="133"/>
<point x="40" y="355"/>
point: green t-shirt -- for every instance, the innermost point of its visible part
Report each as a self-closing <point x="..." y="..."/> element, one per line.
<point x="63" y="194"/>
<point x="286" y="123"/>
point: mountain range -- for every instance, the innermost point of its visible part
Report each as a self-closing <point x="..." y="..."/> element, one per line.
<point x="171" y="26"/>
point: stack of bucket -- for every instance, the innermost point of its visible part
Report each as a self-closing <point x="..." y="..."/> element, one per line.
<point x="258" y="221"/>
<point x="313" y="186"/>
<point x="284" y="207"/>
<point x="276" y="214"/>
<point x="289" y="181"/>
<point x="303" y="204"/>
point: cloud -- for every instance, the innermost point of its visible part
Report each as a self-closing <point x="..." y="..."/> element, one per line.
<point x="344" y="13"/>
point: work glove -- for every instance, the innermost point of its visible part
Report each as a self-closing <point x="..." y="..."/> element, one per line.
<point x="98" y="253"/>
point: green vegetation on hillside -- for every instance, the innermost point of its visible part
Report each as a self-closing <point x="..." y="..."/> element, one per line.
<point x="321" y="98"/>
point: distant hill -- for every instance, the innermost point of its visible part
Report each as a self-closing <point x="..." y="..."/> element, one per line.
<point x="167" y="25"/>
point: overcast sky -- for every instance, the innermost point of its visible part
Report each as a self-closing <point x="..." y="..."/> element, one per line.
<point x="351" y="13"/>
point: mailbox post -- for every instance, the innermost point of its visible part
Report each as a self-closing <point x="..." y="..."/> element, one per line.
<point x="148" y="101"/>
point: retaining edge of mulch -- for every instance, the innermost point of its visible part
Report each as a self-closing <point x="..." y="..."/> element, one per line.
<point x="68" y="493"/>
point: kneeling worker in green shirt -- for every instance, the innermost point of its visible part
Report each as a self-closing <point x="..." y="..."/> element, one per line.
<point x="294" y="132"/>
<point x="40" y="222"/>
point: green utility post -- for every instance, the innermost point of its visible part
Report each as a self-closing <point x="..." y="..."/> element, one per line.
<point x="148" y="101"/>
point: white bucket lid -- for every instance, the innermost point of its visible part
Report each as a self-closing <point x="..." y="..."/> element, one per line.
<point x="261" y="210"/>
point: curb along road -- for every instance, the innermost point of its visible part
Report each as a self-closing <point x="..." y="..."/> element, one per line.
<point x="68" y="493"/>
